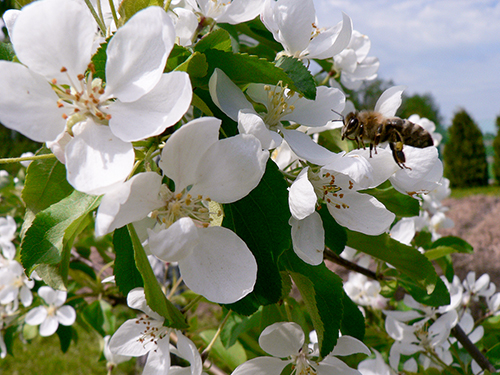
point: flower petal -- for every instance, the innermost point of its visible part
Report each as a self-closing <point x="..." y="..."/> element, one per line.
<point x="308" y="238"/>
<point x="125" y="341"/>
<point x="251" y="123"/>
<point x="282" y="339"/>
<point x="306" y="148"/>
<point x="347" y="345"/>
<point x="226" y="95"/>
<point x="184" y="149"/>
<point x="52" y="34"/>
<point x="239" y="11"/>
<point x="389" y="101"/>
<point x="66" y="315"/>
<point x="28" y="104"/>
<point x="129" y="75"/>
<point x="176" y="242"/>
<point x="221" y="267"/>
<point x="49" y="326"/>
<point x="160" y="108"/>
<point x="96" y="160"/>
<point x="158" y="362"/>
<point x="230" y="169"/>
<point x="129" y="202"/>
<point x="261" y="366"/>
<point x="301" y="197"/>
<point x="295" y="19"/>
<point x="36" y="316"/>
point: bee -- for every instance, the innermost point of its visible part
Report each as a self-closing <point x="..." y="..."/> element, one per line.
<point x="375" y="128"/>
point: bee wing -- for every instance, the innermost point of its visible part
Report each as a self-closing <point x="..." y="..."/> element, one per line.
<point x="389" y="101"/>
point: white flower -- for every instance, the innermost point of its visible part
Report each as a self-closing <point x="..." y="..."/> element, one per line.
<point x="8" y="229"/>
<point x="15" y="285"/>
<point x="51" y="315"/>
<point x="147" y="334"/>
<point x="112" y="359"/>
<point x="282" y="104"/>
<point x="354" y="64"/>
<point x="213" y="261"/>
<point x="232" y="12"/>
<point x="375" y="366"/>
<point x="89" y="125"/>
<point x="286" y="340"/>
<point x="482" y="287"/>
<point x="294" y="25"/>
<point x="364" y="291"/>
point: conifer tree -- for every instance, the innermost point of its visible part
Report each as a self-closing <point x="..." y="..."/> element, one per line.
<point x="464" y="154"/>
<point x="496" y="155"/>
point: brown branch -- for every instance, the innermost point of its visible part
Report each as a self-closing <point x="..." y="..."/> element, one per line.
<point x="472" y="349"/>
<point x="331" y="256"/>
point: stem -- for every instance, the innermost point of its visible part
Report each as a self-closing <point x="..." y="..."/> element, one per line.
<point x="174" y="288"/>
<point x="479" y="357"/>
<point x="101" y="24"/>
<point x="113" y="12"/>
<point x="205" y="352"/>
<point x="26" y="158"/>
<point x="191" y="304"/>
<point x="331" y="256"/>
<point x="167" y="5"/>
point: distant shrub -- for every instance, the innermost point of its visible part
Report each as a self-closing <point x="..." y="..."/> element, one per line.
<point x="496" y="155"/>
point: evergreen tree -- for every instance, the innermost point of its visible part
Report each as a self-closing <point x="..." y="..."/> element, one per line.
<point x="464" y="154"/>
<point x="496" y="155"/>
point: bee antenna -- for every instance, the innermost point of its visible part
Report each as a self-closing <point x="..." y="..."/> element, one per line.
<point x="340" y="114"/>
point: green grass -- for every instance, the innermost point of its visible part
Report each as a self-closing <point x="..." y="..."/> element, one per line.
<point x="43" y="356"/>
<point x="480" y="190"/>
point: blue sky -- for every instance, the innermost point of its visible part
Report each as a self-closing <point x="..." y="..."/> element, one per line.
<point x="450" y="48"/>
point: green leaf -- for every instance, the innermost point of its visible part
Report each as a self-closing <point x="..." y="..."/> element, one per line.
<point x="335" y="234"/>
<point x="323" y="296"/>
<point x="394" y="201"/>
<point x="45" y="183"/>
<point x="261" y="220"/>
<point x="196" y="65"/>
<point x="405" y="259"/>
<point x="99" y="60"/>
<point x="232" y="357"/>
<point x="177" y="56"/>
<point x="493" y="355"/>
<point x="236" y="325"/>
<point x="43" y="241"/>
<point x="439" y="297"/>
<point x="130" y="7"/>
<point x="51" y="275"/>
<point x="65" y="334"/>
<point x="217" y="39"/>
<point x="94" y="315"/>
<point x="243" y="69"/>
<point x="7" y="51"/>
<point x="460" y="245"/>
<point x="127" y="276"/>
<point x="155" y="297"/>
<point x="300" y="75"/>
<point x="439" y="252"/>
<point x="353" y="321"/>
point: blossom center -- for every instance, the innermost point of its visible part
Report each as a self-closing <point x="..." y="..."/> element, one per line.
<point x="302" y="364"/>
<point x="151" y="331"/>
<point x="280" y="102"/>
<point x="183" y="204"/>
<point x="83" y="99"/>
<point x="330" y="192"/>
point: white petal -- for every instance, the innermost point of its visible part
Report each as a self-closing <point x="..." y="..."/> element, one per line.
<point x="261" y="366"/>
<point x="295" y="19"/>
<point x="226" y="95"/>
<point x="221" y="267"/>
<point x="66" y="315"/>
<point x="332" y="365"/>
<point x="251" y="123"/>
<point x="282" y="339"/>
<point x="301" y="197"/>
<point x="158" y="362"/>
<point x="306" y="148"/>
<point x="308" y="238"/>
<point x="49" y="326"/>
<point x="186" y="23"/>
<point x="239" y="11"/>
<point x="125" y="341"/>
<point x="230" y="169"/>
<point x="151" y="114"/>
<point x="331" y="41"/>
<point x="51" y="296"/>
<point x="131" y="201"/>
<point x="319" y="111"/>
<point x="363" y="213"/>
<point x="96" y="160"/>
<point x="36" y="316"/>
<point x="188" y="350"/>
<point x="136" y="299"/>
<point x="347" y="345"/>
<point x="182" y="153"/>
<point x="176" y="242"/>
<point x="26" y="296"/>
<point x="9" y="18"/>
<point x="129" y="74"/>
<point x="28" y="104"/>
<point x="52" y="34"/>
<point x="389" y="101"/>
<point x="404" y="230"/>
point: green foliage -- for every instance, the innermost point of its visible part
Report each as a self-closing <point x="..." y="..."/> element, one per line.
<point x="496" y="152"/>
<point x="464" y="154"/>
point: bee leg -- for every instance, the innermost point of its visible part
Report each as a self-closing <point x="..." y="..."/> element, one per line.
<point x="371" y="148"/>
<point x="398" y="154"/>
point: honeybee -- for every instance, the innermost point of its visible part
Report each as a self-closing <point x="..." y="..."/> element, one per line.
<point x="375" y="128"/>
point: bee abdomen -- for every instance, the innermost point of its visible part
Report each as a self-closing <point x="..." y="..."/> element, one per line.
<point x="413" y="134"/>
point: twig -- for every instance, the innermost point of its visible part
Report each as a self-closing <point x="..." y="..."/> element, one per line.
<point x="479" y="357"/>
<point x="331" y="256"/>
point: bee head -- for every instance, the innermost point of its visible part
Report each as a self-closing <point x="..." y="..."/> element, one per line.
<point x="352" y="127"/>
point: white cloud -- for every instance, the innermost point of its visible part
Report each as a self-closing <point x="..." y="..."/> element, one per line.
<point x="450" y="48"/>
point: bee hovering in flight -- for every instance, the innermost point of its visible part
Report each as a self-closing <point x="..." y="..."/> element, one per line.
<point x="375" y="128"/>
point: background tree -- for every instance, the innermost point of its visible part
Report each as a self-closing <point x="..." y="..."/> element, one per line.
<point x="464" y="154"/>
<point x="496" y="155"/>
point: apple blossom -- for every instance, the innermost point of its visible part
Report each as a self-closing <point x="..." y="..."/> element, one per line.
<point x="282" y="104"/>
<point x="8" y="229"/>
<point x="89" y="125"/>
<point x="232" y="12"/>
<point x="15" y="285"/>
<point x="213" y="260"/>
<point x="286" y="340"/>
<point x="52" y="314"/>
<point x="294" y="25"/>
